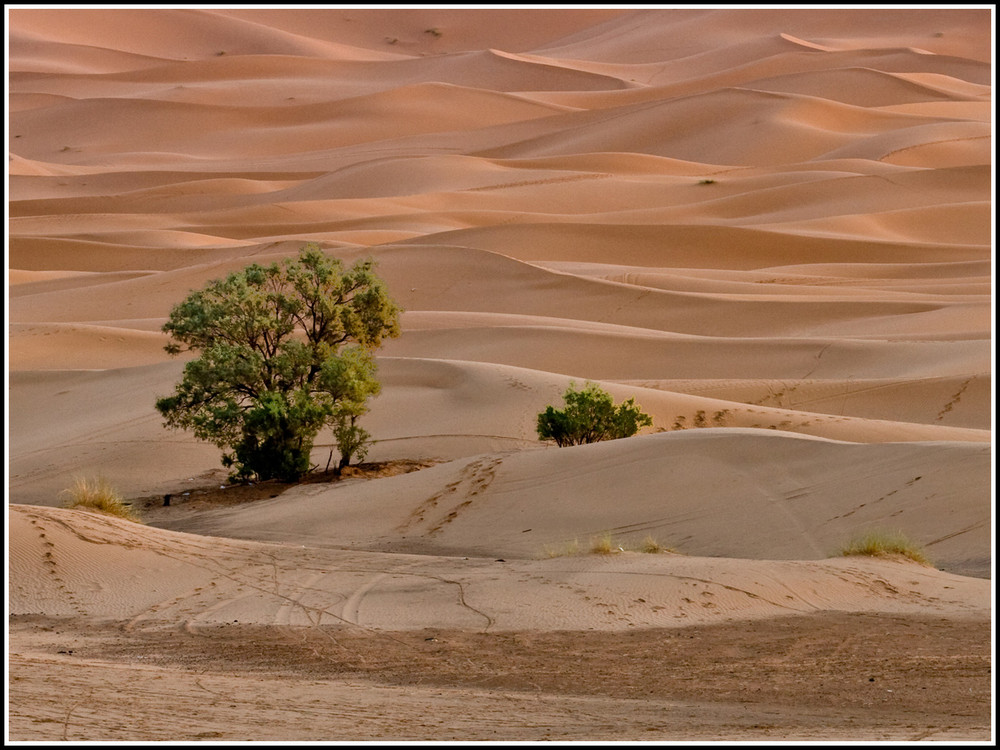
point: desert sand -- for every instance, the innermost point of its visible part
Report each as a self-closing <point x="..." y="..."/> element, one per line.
<point x="772" y="227"/>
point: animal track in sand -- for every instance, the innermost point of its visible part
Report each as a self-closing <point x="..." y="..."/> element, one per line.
<point x="954" y="400"/>
<point x="543" y="181"/>
<point x="49" y="561"/>
<point x="877" y="500"/>
<point x="473" y="480"/>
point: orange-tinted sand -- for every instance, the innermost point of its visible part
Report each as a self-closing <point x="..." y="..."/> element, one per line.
<point x="771" y="227"/>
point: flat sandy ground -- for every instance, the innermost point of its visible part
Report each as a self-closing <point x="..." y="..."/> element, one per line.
<point x="818" y="678"/>
<point x="771" y="227"/>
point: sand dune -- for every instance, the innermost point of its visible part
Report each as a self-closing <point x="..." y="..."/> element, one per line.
<point x="784" y="497"/>
<point x="82" y="347"/>
<point x="58" y="555"/>
<point x="458" y="408"/>
<point x="864" y="87"/>
<point x="771" y="227"/>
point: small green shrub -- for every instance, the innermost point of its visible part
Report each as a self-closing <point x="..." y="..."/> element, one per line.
<point x="885" y="544"/>
<point x="589" y="417"/>
<point x="98" y="495"/>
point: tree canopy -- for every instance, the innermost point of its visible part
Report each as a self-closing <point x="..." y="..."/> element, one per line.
<point x="283" y="350"/>
<point x="590" y="416"/>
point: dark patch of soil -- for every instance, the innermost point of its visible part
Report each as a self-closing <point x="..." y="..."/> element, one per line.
<point x="221" y="493"/>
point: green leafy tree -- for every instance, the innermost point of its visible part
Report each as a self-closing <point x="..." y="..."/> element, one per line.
<point x="352" y="382"/>
<point x="283" y="350"/>
<point x="590" y="416"/>
<point x="352" y="439"/>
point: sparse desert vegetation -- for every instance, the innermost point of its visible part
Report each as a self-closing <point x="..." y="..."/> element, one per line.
<point x="604" y="545"/>
<point x="590" y="416"/>
<point x="567" y="549"/>
<point x="607" y="544"/>
<point x="98" y="494"/>
<point x="650" y="546"/>
<point x="284" y="350"/>
<point x="887" y="544"/>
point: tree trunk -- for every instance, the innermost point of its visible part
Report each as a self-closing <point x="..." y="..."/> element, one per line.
<point x="345" y="460"/>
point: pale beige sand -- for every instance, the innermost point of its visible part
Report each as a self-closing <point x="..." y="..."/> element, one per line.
<point x="772" y="227"/>
<point x="164" y="578"/>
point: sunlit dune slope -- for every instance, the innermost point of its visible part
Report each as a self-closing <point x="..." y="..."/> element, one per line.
<point x="80" y="564"/>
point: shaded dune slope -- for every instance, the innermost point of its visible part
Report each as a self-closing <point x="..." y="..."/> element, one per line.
<point x="789" y="497"/>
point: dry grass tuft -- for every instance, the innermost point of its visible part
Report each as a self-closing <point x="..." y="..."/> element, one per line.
<point x="885" y="544"/>
<point x="98" y="495"/>
<point x="652" y="547"/>
<point x="606" y="544"/>
<point x="567" y="550"/>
